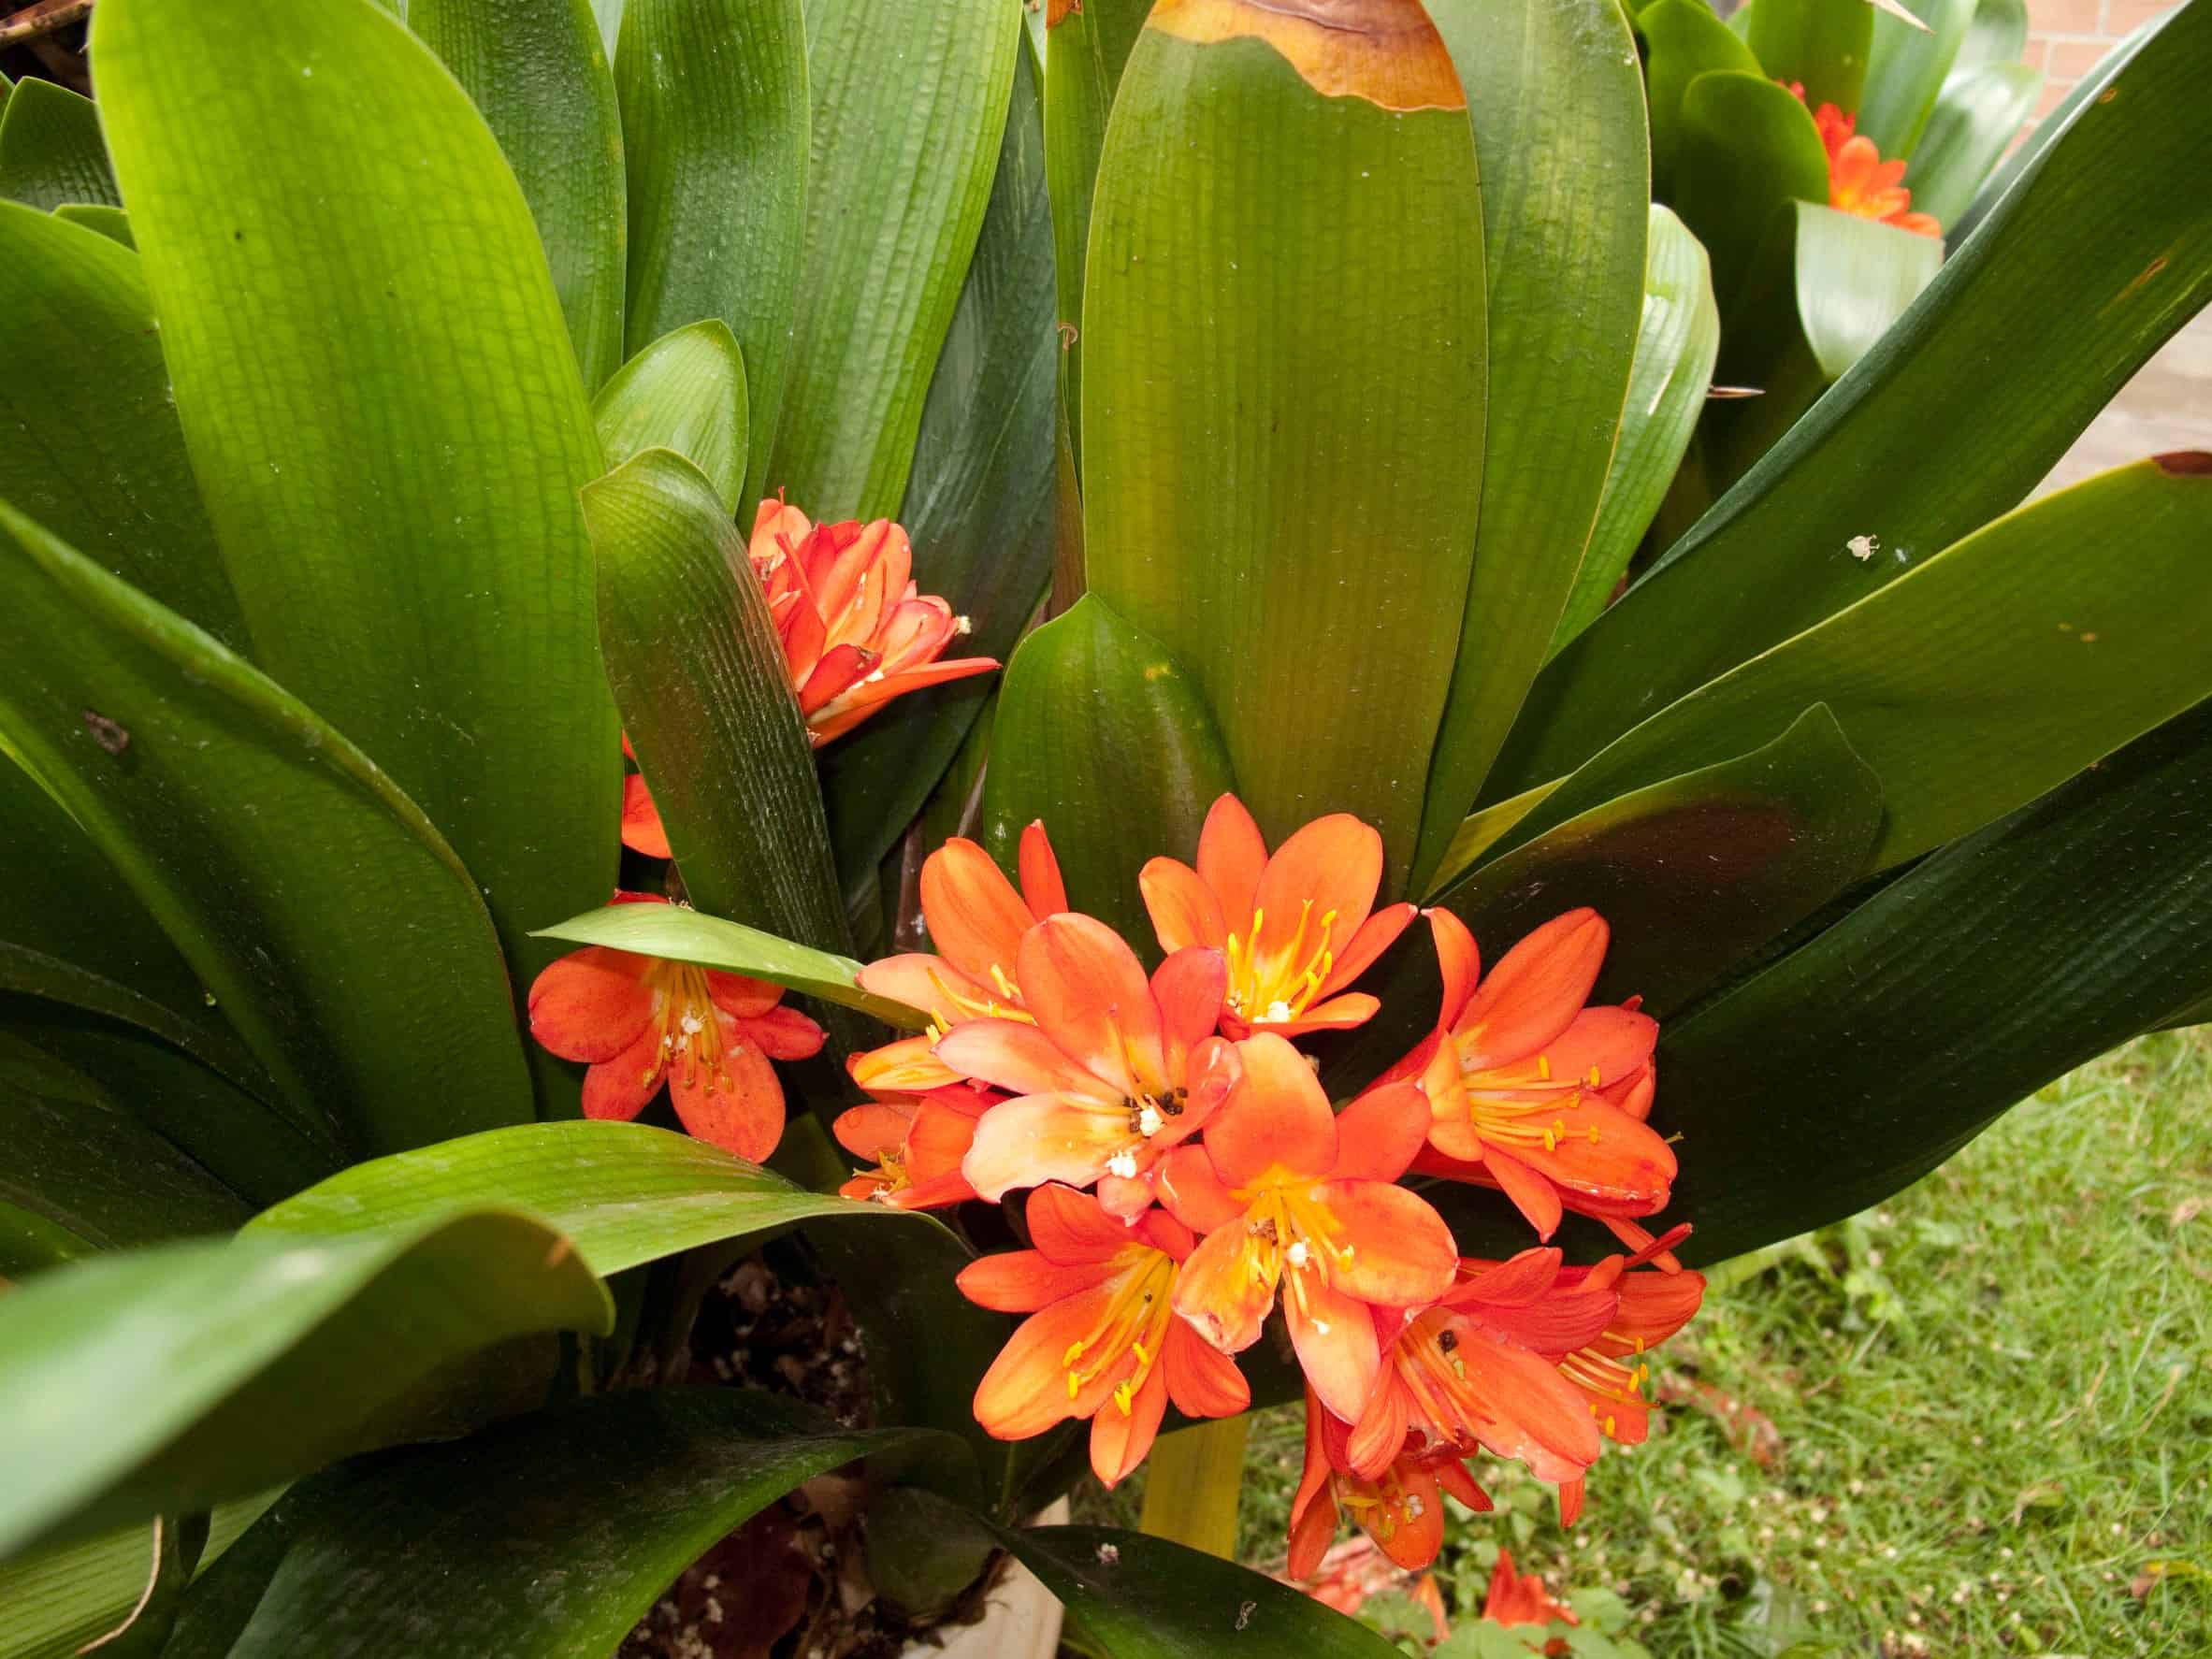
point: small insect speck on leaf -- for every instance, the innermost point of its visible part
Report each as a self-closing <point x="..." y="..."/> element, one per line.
<point x="1108" y="1555"/>
<point x="1244" y="1613"/>
<point x="1864" y="547"/>
<point x="106" y="732"/>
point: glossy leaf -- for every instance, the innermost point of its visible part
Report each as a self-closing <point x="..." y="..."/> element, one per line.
<point x="718" y="184"/>
<point x="1862" y="1059"/>
<point x="335" y="927"/>
<point x="706" y="701"/>
<point x="1984" y="677"/>
<point x="111" y="222"/>
<point x="456" y="1550"/>
<point x="95" y="452"/>
<point x="1140" y="1598"/>
<point x="1821" y="45"/>
<point x="979" y="505"/>
<point x="539" y="72"/>
<point x="58" y="1601"/>
<point x="622" y="1194"/>
<point x="1265" y="376"/>
<point x="384" y="418"/>
<point x="1749" y="150"/>
<point x="1898" y="449"/>
<point x="1676" y="348"/>
<point x="1557" y="105"/>
<point x="31" y="972"/>
<point x="51" y="150"/>
<point x="908" y="101"/>
<point x="1907" y="67"/>
<point x="1683" y="40"/>
<point x="1996" y="34"/>
<point x="165" y="1381"/>
<point x="686" y="393"/>
<point x="683" y="935"/>
<point x="1855" y="278"/>
<point x="1099" y="732"/>
<point x="1977" y="115"/>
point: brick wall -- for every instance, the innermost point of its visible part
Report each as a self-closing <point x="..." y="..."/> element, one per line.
<point x="2066" y="38"/>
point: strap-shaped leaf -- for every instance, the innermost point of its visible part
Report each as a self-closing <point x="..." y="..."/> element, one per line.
<point x="167" y="1381"/>
<point x="111" y="222"/>
<point x="714" y="133"/>
<point x="335" y="927"/>
<point x="1821" y="45"/>
<point x="1557" y="104"/>
<point x="1977" y="116"/>
<point x="382" y="410"/>
<point x="32" y="972"/>
<point x="707" y="702"/>
<point x="1861" y="1060"/>
<point x="94" y="451"/>
<point x="1749" y="150"/>
<point x="686" y="392"/>
<point x="1270" y="358"/>
<point x="1855" y="278"/>
<point x="684" y="936"/>
<point x="979" y="505"/>
<point x="544" y="1537"/>
<point x="1985" y="676"/>
<point x="1676" y="350"/>
<point x="51" y="150"/>
<point x="1907" y="66"/>
<point x="540" y="74"/>
<point x="1899" y="448"/>
<point x="1683" y="40"/>
<point x="123" y="1585"/>
<point x="908" y="106"/>
<point x="622" y="1194"/>
<point x="1098" y="728"/>
<point x="1996" y="34"/>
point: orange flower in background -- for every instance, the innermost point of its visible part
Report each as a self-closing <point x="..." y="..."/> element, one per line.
<point x="1533" y="1092"/>
<point x="976" y="921"/>
<point x="1520" y="1598"/>
<point x="1109" y="1070"/>
<point x="1100" y="1342"/>
<point x="1651" y="1307"/>
<point x="642" y="828"/>
<point x="639" y="1022"/>
<point x="1295" y="928"/>
<point x="1402" y="1511"/>
<point x="914" y="1144"/>
<point x="1860" y="181"/>
<point x="1294" y="1198"/>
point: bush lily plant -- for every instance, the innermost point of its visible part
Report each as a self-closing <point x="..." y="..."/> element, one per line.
<point x="393" y="399"/>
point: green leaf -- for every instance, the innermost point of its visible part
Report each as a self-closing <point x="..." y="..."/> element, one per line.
<point x="684" y="936"/>
<point x="1862" y="1059"/>
<point x="32" y="972"/>
<point x="384" y="413"/>
<point x="1855" y="278"/>
<point x="1675" y="351"/>
<point x="909" y="105"/>
<point x="165" y="1381"/>
<point x="1976" y="117"/>
<point x="1684" y="40"/>
<point x="1749" y="149"/>
<point x="1900" y="449"/>
<point x="311" y="897"/>
<point x="111" y="222"/>
<point x="1084" y="55"/>
<point x="979" y="505"/>
<point x="1557" y="105"/>
<point x="686" y="392"/>
<point x="549" y="1535"/>
<point x="539" y="72"/>
<point x="1098" y="731"/>
<point x="622" y="1194"/>
<point x="718" y="184"/>
<point x="1996" y="34"/>
<point x="60" y="1600"/>
<point x="1820" y="44"/>
<point x="95" y="452"/>
<point x="1982" y="678"/>
<point x="1270" y="359"/>
<point x="700" y="677"/>
<point x="51" y="150"/>
<point x="1905" y="70"/>
<point x="1140" y="1598"/>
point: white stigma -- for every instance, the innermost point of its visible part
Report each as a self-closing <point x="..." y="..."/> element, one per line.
<point x="1278" y="1013"/>
<point x="1122" y="1165"/>
<point x="1414" y="1506"/>
<point x="1297" y="1254"/>
<point x="1148" y="1122"/>
<point x="961" y="624"/>
<point x="691" y="1023"/>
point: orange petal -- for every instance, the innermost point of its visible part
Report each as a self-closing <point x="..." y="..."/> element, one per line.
<point x="1379" y="1133"/>
<point x="1335" y="1338"/>
<point x="1608" y="1045"/>
<point x="974" y="916"/>
<point x="1603" y="1154"/>
<point x="1018" y="1058"/>
<point x="740" y="996"/>
<point x="1379" y="1435"/>
<point x="1519" y="1281"/>
<point x="1401" y="1253"/>
<point x="1184" y="908"/>
<point x="642" y="828"/>
<point x="1089" y="994"/>
<point x="1232" y="853"/>
<point x="1023" y="1281"/>
<point x="1042" y="889"/>
<point x="1069" y="1227"/>
<point x="1200" y="1379"/>
<point x="783" y="1034"/>
<point x="1375" y="935"/>
<point x="907" y="1066"/>
<point x="1535" y="1415"/>
<point x="1186" y="1183"/>
<point x="1535" y="991"/>
<point x="1534" y="1196"/>
<point x="1119" y="1439"/>
<point x="1218" y="1292"/>
<point x="1276" y="1121"/>
<point x="617" y="1089"/>
<point x="1037" y="1138"/>
<point x="1417" y="1533"/>
<point x="592" y="1003"/>
<point x="1336" y="864"/>
<point x="740" y="1108"/>
<point x="1188" y="989"/>
<point x="1461" y="962"/>
<point x="1025" y="1390"/>
<point x="1339" y="1014"/>
<point x="870" y="1129"/>
<point x="931" y="984"/>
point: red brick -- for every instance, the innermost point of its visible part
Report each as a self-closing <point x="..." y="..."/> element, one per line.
<point x="2126" y="16"/>
<point x="2036" y="55"/>
<point x="2066" y="17"/>
<point x="2070" y="60"/>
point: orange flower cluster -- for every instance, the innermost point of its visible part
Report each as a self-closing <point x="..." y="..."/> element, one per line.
<point x="1187" y="1176"/>
<point x="1858" y="179"/>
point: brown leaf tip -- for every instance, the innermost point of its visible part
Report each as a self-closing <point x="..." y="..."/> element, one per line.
<point x="2183" y="463"/>
<point x="1386" y="51"/>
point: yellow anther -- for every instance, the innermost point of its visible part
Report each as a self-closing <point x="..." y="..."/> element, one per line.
<point x="1594" y="1082"/>
<point x="1138" y="1349"/>
<point x="1609" y="1423"/>
<point x="1074" y="1352"/>
<point x="1543" y="1067"/>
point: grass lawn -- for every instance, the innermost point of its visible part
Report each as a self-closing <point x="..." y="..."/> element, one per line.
<point x="1977" y="1419"/>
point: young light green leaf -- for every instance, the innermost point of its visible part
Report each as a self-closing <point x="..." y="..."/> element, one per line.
<point x="1821" y="45"/>
<point x="1855" y="278"/>
<point x="686" y="393"/>
<point x="1908" y="65"/>
<point x="1996" y="34"/>
<point x="111" y="222"/>
<point x="51" y="150"/>
<point x="1977" y="116"/>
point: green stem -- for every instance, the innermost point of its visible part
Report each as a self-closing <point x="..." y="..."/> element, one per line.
<point x="1191" y="1482"/>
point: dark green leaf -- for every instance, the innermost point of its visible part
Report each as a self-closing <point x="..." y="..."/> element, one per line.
<point x="32" y="972"/>
<point x="51" y="150"/>
<point x="165" y="1381"/>
<point x="1862" y="1059"/>
<point x="383" y="412"/>
<point x="1977" y="115"/>
<point x="686" y="392"/>
<point x="1749" y="150"/>
<point x="908" y="106"/>
<point x="1684" y="40"/>
<point x="1907" y="66"/>
<point x="1101" y="734"/>
<point x="1821" y="45"/>
<point x="715" y="126"/>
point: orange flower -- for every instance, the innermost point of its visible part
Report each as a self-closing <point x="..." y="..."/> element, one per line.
<point x="1533" y="1092"/>
<point x="1652" y="1306"/>
<point x="1402" y="1511"/>
<point x="1109" y="1070"/>
<point x="1307" y="931"/>
<point x="915" y="1143"/>
<point x="1517" y="1598"/>
<point x="639" y="1021"/>
<point x="1858" y="179"/>
<point x="1291" y="1196"/>
<point x="1100" y="1341"/>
